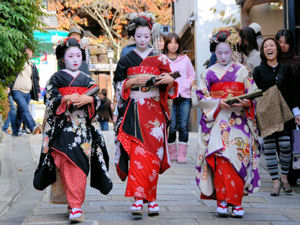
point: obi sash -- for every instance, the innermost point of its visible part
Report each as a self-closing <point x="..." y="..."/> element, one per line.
<point x="227" y="89"/>
<point x="72" y="90"/>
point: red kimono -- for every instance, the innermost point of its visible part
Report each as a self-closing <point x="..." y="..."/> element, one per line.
<point x="143" y="124"/>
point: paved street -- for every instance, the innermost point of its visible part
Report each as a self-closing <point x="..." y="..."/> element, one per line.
<point x="178" y="195"/>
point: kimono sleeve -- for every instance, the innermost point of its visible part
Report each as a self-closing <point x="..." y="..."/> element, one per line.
<point x="120" y="80"/>
<point x="95" y="105"/>
<point x="53" y="98"/>
<point x="210" y="106"/>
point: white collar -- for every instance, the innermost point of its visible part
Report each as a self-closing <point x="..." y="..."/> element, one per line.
<point x="143" y="54"/>
<point x="72" y="73"/>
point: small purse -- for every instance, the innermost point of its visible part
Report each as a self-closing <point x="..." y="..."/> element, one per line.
<point x="296" y="148"/>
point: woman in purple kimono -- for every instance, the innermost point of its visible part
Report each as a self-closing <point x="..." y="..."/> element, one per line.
<point x="227" y="164"/>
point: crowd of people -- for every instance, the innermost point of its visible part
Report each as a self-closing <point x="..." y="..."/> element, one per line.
<point x="153" y="84"/>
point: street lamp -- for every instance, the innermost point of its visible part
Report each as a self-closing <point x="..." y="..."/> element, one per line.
<point x="110" y="55"/>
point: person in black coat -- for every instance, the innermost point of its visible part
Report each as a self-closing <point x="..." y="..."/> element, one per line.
<point x="269" y="73"/>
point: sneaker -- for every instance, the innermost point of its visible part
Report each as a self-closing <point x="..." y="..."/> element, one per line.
<point x="76" y="215"/>
<point x="37" y="129"/>
<point x="26" y="131"/>
<point x="19" y="134"/>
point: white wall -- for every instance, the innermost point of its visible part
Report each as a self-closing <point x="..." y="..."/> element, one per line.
<point x="183" y="10"/>
<point x="204" y="25"/>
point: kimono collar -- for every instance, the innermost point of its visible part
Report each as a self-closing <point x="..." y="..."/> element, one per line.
<point x="72" y="73"/>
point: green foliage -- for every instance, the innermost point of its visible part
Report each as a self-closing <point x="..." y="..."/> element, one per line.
<point x="4" y="105"/>
<point x="18" y="20"/>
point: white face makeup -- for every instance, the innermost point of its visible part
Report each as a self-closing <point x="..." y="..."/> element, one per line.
<point x="73" y="58"/>
<point x="142" y="38"/>
<point x="223" y="53"/>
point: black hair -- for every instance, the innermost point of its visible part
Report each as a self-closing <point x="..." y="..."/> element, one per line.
<point x="136" y="22"/>
<point x="62" y="48"/>
<point x="289" y="37"/>
<point x="262" y="54"/>
<point x="221" y="36"/>
<point x="249" y="41"/>
<point x="168" y="39"/>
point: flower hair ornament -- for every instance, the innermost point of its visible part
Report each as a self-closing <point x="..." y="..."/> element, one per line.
<point x="148" y="16"/>
<point x="233" y="37"/>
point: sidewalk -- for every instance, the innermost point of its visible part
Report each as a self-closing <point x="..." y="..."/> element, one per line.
<point x="8" y="180"/>
<point x="178" y="195"/>
<point x="179" y="201"/>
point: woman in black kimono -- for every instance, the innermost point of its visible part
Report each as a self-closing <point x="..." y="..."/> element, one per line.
<point x="71" y="135"/>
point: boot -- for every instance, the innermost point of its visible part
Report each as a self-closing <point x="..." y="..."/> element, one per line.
<point x="182" y="149"/>
<point x="172" y="151"/>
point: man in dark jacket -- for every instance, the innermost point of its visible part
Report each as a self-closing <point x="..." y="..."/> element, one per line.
<point x="104" y="112"/>
<point x="25" y="88"/>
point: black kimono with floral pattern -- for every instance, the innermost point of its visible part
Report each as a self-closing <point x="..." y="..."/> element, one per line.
<point x="74" y="131"/>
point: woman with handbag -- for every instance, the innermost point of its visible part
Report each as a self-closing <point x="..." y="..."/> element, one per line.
<point x="182" y="103"/>
<point x="71" y="136"/>
<point x="277" y="135"/>
<point x="285" y="39"/>
<point x="227" y="161"/>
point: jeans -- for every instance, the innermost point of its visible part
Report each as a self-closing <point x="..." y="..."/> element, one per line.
<point x="23" y="113"/>
<point x="179" y="119"/>
<point x="11" y="117"/>
<point x="104" y="125"/>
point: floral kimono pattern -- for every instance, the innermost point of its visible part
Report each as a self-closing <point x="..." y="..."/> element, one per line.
<point x="227" y="134"/>
<point x="142" y="129"/>
<point x="74" y="132"/>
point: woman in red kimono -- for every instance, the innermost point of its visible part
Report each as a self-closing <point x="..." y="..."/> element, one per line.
<point x="143" y="115"/>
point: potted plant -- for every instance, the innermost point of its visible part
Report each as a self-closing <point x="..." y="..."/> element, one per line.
<point x="4" y="107"/>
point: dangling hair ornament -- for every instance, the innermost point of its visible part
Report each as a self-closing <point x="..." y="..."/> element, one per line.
<point x="156" y="38"/>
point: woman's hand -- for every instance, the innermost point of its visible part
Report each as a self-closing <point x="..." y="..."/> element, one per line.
<point x="139" y="81"/>
<point x="243" y="103"/>
<point x="165" y="79"/>
<point x="82" y="100"/>
<point x="70" y="98"/>
<point x="297" y="120"/>
<point x="223" y="104"/>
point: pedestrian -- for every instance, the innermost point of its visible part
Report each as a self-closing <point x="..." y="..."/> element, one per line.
<point x="143" y="115"/>
<point x="257" y="29"/>
<point x="25" y="88"/>
<point x="277" y="137"/>
<point x="11" y="117"/>
<point x="285" y="39"/>
<point x="227" y="164"/>
<point x="71" y="137"/>
<point x="249" y="48"/>
<point x="182" y="103"/>
<point x="104" y="112"/>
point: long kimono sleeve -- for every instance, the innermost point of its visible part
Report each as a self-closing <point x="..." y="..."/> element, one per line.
<point x="209" y="105"/>
<point x="95" y="105"/>
<point x="53" y="98"/>
<point x="120" y="80"/>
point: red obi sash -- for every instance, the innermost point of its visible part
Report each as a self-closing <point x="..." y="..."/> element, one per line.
<point x="72" y="90"/>
<point x="227" y="89"/>
<point x="143" y="70"/>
